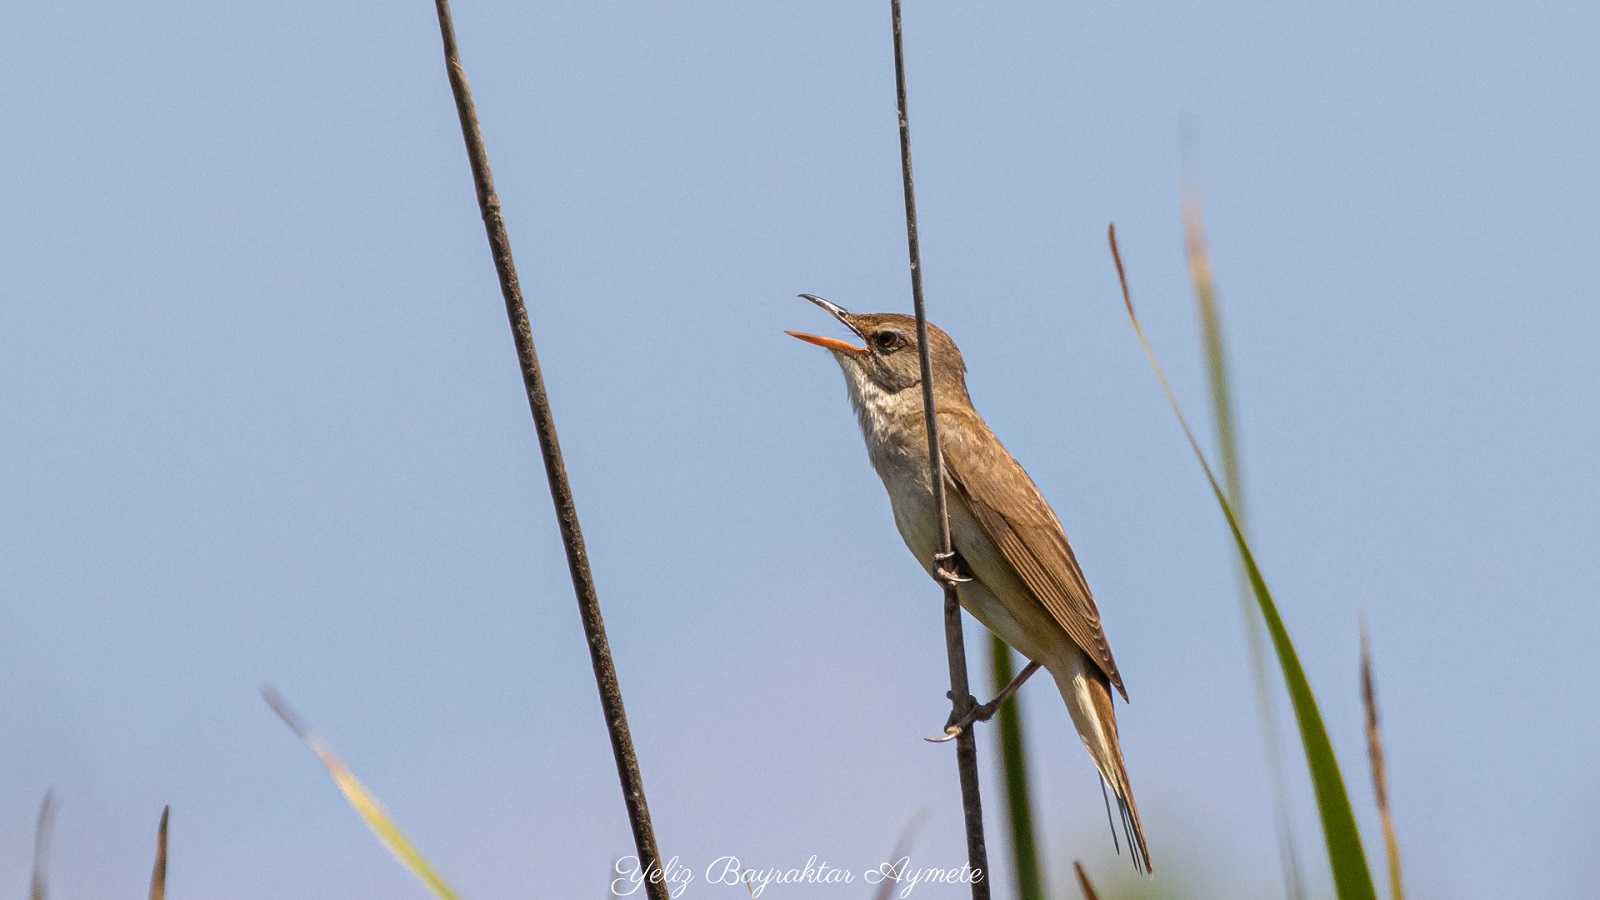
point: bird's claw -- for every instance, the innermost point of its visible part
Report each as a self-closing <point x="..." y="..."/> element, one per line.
<point x="946" y="569"/>
<point x="978" y="712"/>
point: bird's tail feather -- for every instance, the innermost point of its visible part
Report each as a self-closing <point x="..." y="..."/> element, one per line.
<point x="1088" y="697"/>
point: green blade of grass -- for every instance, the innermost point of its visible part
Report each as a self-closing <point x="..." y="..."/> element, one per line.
<point x="1205" y="298"/>
<point x="1351" y="878"/>
<point x="1014" y="765"/>
<point x="371" y="811"/>
<point x="158" y="872"/>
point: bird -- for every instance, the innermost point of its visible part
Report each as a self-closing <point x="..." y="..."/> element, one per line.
<point x="1014" y="570"/>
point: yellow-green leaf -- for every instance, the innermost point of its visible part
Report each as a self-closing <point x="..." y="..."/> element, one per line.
<point x="371" y="811"/>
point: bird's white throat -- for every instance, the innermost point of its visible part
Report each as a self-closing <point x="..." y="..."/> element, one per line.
<point x="891" y="423"/>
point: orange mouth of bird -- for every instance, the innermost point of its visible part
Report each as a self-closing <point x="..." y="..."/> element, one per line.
<point x="828" y="343"/>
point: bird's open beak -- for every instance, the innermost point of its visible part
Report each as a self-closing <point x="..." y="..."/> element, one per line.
<point x="828" y="343"/>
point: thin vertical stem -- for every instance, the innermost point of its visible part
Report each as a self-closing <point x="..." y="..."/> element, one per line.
<point x="955" y="645"/>
<point x="1380" y="772"/>
<point x="605" y="673"/>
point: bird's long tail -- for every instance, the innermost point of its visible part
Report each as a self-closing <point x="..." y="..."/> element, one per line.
<point x="1088" y="697"/>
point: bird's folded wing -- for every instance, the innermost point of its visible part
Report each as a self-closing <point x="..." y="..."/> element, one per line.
<point x="1016" y="517"/>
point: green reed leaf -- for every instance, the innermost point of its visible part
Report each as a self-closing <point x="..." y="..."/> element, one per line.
<point x="1210" y="315"/>
<point x="1351" y="877"/>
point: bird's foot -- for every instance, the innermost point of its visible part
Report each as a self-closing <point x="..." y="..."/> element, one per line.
<point x="976" y="712"/>
<point x="948" y="569"/>
<point x="982" y="712"/>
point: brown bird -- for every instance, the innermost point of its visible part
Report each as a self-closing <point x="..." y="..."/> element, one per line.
<point x="1017" y="574"/>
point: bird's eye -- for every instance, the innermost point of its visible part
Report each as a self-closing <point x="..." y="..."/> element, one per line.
<point x="887" y="341"/>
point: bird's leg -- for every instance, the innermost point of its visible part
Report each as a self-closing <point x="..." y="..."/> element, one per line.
<point x="949" y="568"/>
<point x="984" y="712"/>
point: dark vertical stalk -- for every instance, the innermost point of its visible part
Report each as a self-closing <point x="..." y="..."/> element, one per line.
<point x="1014" y="765"/>
<point x="605" y="673"/>
<point x="955" y="645"/>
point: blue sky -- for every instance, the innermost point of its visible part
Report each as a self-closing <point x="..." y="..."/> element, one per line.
<point x="265" y="426"/>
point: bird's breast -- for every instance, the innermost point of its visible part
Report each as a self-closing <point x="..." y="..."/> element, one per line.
<point x="914" y="512"/>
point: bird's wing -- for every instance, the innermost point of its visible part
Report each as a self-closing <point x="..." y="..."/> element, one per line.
<point x="1014" y="515"/>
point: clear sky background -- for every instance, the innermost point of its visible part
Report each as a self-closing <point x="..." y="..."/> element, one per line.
<point x="263" y="424"/>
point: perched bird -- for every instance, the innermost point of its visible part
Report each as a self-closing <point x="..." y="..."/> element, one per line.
<point x="1022" y="580"/>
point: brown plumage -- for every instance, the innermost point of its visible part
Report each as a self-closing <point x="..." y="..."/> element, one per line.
<point x="1009" y="507"/>
<point x="1026" y="585"/>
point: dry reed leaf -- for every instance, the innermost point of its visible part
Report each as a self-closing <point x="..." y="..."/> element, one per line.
<point x="158" y="873"/>
<point x="1083" y="882"/>
<point x="1380" y="772"/>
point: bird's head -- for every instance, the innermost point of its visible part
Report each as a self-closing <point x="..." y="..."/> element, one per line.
<point x="888" y="360"/>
